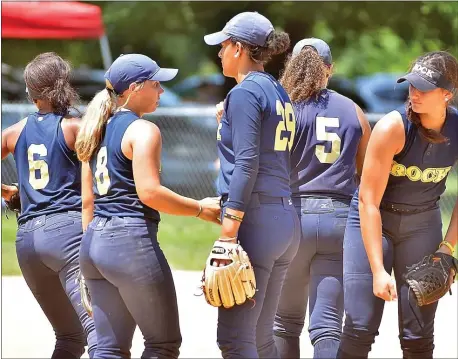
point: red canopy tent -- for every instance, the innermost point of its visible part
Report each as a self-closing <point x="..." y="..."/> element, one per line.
<point x="55" y="20"/>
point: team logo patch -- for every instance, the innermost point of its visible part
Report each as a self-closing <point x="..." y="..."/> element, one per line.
<point x="218" y="250"/>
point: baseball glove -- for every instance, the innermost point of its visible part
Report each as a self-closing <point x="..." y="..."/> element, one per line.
<point x="232" y="283"/>
<point x="14" y="204"/>
<point x="431" y="278"/>
<point x="85" y="296"/>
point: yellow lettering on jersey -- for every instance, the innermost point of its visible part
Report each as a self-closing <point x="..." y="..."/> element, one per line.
<point x="414" y="173"/>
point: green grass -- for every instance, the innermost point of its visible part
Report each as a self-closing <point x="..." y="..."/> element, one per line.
<point x="185" y="241"/>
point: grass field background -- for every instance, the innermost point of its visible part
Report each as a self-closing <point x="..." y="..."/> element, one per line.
<point x="185" y="241"/>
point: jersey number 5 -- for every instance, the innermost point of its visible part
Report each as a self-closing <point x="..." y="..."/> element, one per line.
<point x="287" y="124"/>
<point x="38" y="169"/>
<point x="102" y="178"/>
<point x="322" y="135"/>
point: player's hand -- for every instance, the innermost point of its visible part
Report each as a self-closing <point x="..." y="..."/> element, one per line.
<point x="384" y="286"/>
<point x="8" y="191"/>
<point x="219" y="111"/>
<point x="211" y="210"/>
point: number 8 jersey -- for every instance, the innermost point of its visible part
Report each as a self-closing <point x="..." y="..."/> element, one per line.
<point x="113" y="177"/>
<point x="323" y="158"/>
<point x="49" y="173"/>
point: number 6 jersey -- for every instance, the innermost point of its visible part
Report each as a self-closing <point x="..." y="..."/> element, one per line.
<point x="113" y="177"/>
<point x="323" y="158"/>
<point x="49" y="173"/>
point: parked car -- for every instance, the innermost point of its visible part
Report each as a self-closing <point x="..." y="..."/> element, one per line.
<point x="189" y="148"/>
<point x="381" y="93"/>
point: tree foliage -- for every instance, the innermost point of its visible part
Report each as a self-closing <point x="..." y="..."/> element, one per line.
<point x="365" y="37"/>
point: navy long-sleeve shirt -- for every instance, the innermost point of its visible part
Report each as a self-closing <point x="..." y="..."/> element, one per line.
<point x="255" y="137"/>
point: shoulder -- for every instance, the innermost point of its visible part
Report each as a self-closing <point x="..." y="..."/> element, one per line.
<point x="390" y="128"/>
<point x="16" y="128"/>
<point x="143" y="130"/>
<point x="72" y="122"/>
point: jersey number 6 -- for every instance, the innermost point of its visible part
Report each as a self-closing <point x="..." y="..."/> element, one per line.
<point x="38" y="169"/>
<point x="287" y="124"/>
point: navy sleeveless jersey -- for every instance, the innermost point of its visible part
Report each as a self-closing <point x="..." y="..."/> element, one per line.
<point x="257" y="128"/>
<point x="323" y="158"/>
<point x="113" y="177"/>
<point x="49" y="173"/>
<point x="419" y="172"/>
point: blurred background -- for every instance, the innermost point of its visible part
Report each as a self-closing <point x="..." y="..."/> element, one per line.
<point x="372" y="44"/>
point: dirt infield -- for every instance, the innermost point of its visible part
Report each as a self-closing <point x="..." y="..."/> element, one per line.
<point x="27" y="334"/>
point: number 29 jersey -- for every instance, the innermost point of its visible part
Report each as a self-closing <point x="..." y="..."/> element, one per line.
<point x="113" y="176"/>
<point x="49" y="173"/>
<point x="323" y="158"/>
<point x="258" y="111"/>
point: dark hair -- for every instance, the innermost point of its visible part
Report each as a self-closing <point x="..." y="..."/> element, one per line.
<point x="304" y="75"/>
<point x="277" y="43"/>
<point x="447" y="65"/>
<point x="47" y="77"/>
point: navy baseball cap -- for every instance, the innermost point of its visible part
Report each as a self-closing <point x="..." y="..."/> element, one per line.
<point x="319" y="45"/>
<point x="425" y="78"/>
<point x="130" y="68"/>
<point x="251" y="27"/>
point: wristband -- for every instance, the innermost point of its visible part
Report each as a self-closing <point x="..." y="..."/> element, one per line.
<point x="448" y="245"/>
<point x="233" y="216"/>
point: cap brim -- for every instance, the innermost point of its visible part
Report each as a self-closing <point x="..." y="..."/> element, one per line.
<point x="418" y="82"/>
<point x="216" y="38"/>
<point x="164" y="75"/>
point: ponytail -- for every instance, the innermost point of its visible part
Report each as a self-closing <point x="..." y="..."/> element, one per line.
<point x="304" y="75"/>
<point x="99" y="110"/>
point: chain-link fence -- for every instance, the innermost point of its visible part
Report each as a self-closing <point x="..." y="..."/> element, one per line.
<point x="189" y="157"/>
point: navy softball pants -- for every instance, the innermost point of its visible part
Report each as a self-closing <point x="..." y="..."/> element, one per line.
<point x="47" y="249"/>
<point x="407" y="238"/>
<point x="131" y="284"/>
<point x="269" y="234"/>
<point x="315" y="276"/>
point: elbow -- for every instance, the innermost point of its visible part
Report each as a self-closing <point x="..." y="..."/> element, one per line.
<point x="148" y="195"/>
<point x="366" y="202"/>
<point x="87" y="204"/>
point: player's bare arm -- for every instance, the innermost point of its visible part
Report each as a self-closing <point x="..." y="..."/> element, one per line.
<point x="366" y="128"/>
<point x="386" y="141"/>
<point x="70" y="128"/>
<point x="142" y="144"/>
<point x="87" y="195"/>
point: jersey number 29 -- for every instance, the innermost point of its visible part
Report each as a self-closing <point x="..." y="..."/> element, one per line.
<point x="286" y="124"/>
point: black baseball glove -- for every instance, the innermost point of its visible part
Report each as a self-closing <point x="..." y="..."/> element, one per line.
<point x="431" y="278"/>
<point x="14" y="204"/>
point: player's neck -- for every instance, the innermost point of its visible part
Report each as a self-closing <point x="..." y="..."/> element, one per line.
<point x="433" y="120"/>
<point x="246" y="69"/>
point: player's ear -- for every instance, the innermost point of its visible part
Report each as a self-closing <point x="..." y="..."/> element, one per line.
<point x="238" y="51"/>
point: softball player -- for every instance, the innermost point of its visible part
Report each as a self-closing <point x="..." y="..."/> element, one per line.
<point x="255" y="136"/>
<point x="394" y="219"/>
<point x="127" y="274"/>
<point x="49" y="226"/>
<point x="327" y="154"/>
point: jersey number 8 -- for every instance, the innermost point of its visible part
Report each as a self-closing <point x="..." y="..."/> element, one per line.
<point x="102" y="178"/>
<point x="287" y="124"/>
